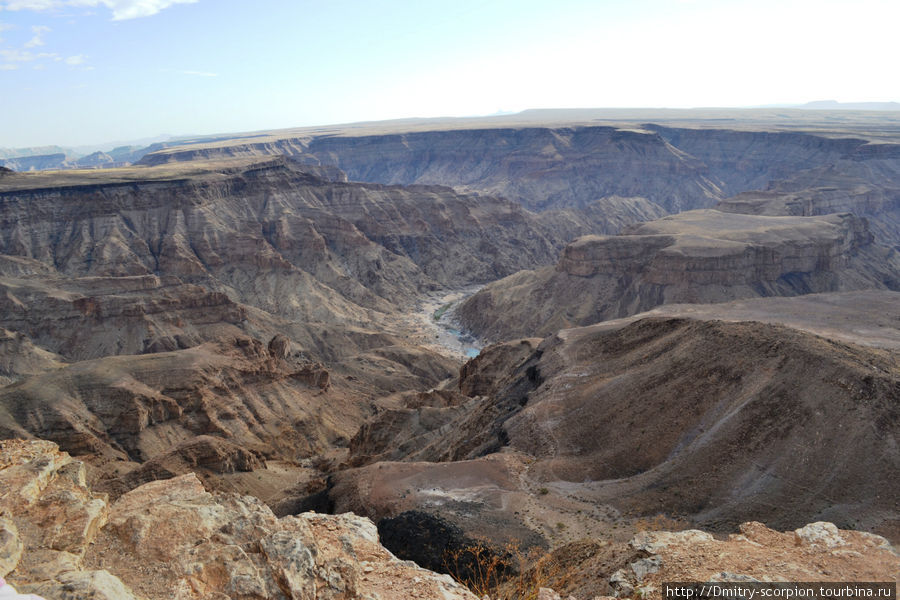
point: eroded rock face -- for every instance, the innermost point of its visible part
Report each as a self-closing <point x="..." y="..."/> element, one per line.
<point x="564" y="166"/>
<point x="865" y="183"/>
<point x="697" y="397"/>
<point x="141" y="407"/>
<point x="701" y="418"/>
<point x="173" y="539"/>
<point x="233" y="227"/>
<point x="52" y="517"/>
<point x="697" y="256"/>
<point x="92" y="317"/>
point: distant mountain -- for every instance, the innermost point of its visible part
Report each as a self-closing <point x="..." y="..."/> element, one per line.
<point x="835" y="105"/>
<point x="32" y="151"/>
<point x="41" y="158"/>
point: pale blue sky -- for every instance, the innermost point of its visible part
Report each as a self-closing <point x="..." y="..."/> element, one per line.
<point x="89" y="71"/>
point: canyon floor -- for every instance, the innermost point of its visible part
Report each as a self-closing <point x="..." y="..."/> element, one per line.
<point x="642" y="346"/>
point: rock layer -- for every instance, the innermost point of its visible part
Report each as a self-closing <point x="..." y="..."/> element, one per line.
<point x="697" y="256"/>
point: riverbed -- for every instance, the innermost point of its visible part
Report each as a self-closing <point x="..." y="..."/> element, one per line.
<point x="436" y="321"/>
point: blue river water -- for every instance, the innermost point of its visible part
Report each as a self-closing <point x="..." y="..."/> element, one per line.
<point x="437" y="313"/>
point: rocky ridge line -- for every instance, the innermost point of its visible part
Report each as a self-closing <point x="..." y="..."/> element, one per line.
<point x="173" y="540"/>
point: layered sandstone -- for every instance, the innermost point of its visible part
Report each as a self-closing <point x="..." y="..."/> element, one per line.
<point x="565" y="162"/>
<point x="137" y="408"/>
<point x="866" y="184"/>
<point x="256" y="230"/>
<point x="697" y="256"/>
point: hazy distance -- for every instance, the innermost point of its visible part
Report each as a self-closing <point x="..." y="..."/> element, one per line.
<point x="76" y="72"/>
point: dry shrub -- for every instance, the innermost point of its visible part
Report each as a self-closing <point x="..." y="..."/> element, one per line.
<point x="660" y="522"/>
<point x="512" y="574"/>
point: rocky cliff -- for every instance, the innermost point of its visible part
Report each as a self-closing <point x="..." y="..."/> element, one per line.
<point x="134" y="408"/>
<point x="148" y="259"/>
<point x="867" y="183"/>
<point x="697" y="256"/>
<point x="173" y="539"/>
<point x="138" y="304"/>
<point x="191" y="221"/>
<point x="566" y="166"/>
<point x="539" y="167"/>
<point x="740" y="160"/>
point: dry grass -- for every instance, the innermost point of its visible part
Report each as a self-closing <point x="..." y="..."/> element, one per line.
<point x="660" y="522"/>
<point x="513" y="574"/>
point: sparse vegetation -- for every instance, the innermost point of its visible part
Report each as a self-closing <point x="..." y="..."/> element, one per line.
<point x="440" y="312"/>
<point x="513" y="574"/>
<point x="660" y="522"/>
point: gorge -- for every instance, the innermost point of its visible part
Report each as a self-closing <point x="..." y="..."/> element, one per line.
<point x="690" y="319"/>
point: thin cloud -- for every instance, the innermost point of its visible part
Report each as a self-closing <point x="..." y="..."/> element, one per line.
<point x="38" y="39"/>
<point x="11" y="59"/>
<point x="31" y="4"/>
<point x="5" y="27"/>
<point x="121" y="9"/>
<point x="14" y="56"/>
<point x="76" y="60"/>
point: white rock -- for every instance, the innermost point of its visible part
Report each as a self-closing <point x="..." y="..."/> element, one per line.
<point x="820" y="533"/>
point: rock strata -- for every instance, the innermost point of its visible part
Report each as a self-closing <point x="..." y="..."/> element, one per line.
<point x="140" y="407"/>
<point x="698" y="256"/>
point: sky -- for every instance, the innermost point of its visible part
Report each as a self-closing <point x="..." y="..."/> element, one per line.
<point x="81" y="72"/>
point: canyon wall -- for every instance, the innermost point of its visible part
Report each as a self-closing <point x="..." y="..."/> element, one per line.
<point x="697" y="256"/>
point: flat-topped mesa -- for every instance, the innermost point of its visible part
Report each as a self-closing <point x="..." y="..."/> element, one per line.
<point x="735" y="250"/>
<point x="590" y="255"/>
<point x="700" y="256"/>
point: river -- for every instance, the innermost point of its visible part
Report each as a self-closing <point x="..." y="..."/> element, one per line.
<point x="435" y="316"/>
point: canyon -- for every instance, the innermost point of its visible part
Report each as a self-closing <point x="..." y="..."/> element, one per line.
<point x="681" y="320"/>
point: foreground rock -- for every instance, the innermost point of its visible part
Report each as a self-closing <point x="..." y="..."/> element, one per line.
<point x="174" y="540"/>
<point x="698" y="256"/>
<point x="816" y="552"/>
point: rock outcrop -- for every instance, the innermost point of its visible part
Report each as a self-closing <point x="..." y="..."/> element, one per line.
<point x="753" y="554"/>
<point x="816" y="552"/>
<point x="173" y="539"/>
<point x="697" y="256"/>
